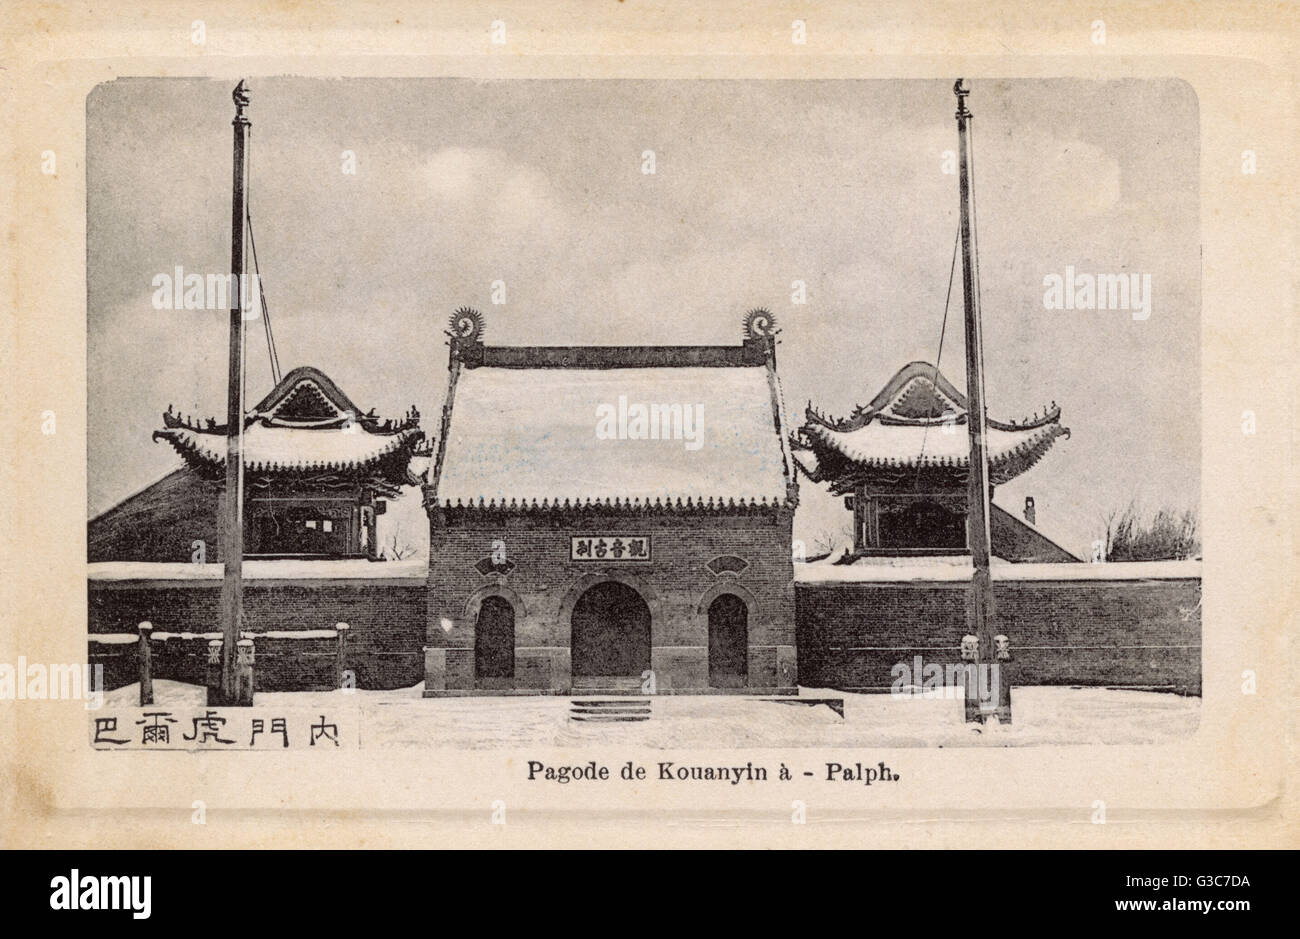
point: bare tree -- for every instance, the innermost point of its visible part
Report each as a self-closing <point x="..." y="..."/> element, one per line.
<point x="1109" y="522"/>
<point x="1162" y="535"/>
<point x="395" y="552"/>
<point x="398" y="546"/>
<point x="828" y="541"/>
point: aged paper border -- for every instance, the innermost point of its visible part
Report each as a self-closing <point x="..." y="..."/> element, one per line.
<point x="1223" y="787"/>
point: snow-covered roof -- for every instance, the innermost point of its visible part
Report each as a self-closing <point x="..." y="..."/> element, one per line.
<point x="306" y="423"/>
<point x="918" y="421"/>
<point x="292" y="448"/>
<point x="1011" y="452"/>
<point x="558" y="433"/>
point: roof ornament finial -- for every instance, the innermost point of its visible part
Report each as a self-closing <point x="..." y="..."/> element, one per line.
<point x="760" y="324"/>
<point x="240" y="97"/>
<point x="961" y="91"/>
<point x="467" y="325"/>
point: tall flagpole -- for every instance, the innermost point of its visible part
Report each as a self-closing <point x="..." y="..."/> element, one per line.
<point x="232" y="529"/>
<point x="979" y="609"/>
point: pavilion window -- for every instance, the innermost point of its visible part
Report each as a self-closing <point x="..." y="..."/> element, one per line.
<point x="920" y="523"/>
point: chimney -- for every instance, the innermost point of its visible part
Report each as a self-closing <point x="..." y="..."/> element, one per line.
<point x="1029" y="510"/>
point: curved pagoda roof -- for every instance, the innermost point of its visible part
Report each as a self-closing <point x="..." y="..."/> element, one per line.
<point x="305" y="426"/>
<point x="915" y="429"/>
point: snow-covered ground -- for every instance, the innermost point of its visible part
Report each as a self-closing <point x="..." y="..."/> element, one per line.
<point x="1043" y="715"/>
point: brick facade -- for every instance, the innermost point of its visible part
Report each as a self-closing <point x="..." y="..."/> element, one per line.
<point x="543" y="585"/>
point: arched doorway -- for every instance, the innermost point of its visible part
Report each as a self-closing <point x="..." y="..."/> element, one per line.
<point x="610" y="635"/>
<point x="728" y="642"/>
<point x="494" y="643"/>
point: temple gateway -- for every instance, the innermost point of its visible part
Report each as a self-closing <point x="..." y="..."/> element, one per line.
<point x="612" y="521"/>
<point x="567" y="559"/>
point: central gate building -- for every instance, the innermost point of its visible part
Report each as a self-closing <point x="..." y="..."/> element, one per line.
<point x="611" y="519"/>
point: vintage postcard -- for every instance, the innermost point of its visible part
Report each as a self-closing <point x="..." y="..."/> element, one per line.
<point x="497" y="439"/>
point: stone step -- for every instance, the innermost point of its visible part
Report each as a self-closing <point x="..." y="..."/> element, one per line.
<point x="608" y="684"/>
<point x="597" y="710"/>
<point x="604" y="691"/>
<point x="611" y="702"/>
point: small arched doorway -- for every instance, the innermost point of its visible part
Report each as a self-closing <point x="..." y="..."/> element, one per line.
<point x="728" y="642"/>
<point x="494" y="643"/>
<point x="610" y="635"/>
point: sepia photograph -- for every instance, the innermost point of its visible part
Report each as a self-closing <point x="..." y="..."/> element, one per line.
<point x="732" y="413"/>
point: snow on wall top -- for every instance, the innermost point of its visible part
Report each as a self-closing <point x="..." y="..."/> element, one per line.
<point x="291" y="569"/>
<point x="887" y="570"/>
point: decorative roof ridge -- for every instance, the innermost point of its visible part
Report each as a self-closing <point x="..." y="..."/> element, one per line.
<point x="1051" y="415"/>
<point x="876" y="410"/>
<point x="662" y="505"/>
<point x="179" y="421"/>
<point x="760" y="326"/>
<point x="183" y="441"/>
<point x="1049" y="430"/>
<point x="370" y="422"/>
<point x="909" y="373"/>
<point x="864" y="414"/>
<point x="751" y="353"/>
<point x="467" y="347"/>
<point x="397" y="433"/>
<point x="305" y="373"/>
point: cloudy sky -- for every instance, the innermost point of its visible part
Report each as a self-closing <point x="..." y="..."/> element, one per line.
<point x="840" y="184"/>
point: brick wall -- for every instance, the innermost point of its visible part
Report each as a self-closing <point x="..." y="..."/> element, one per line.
<point x="118" y="661"/>
<point x="1134" y="633"/>
<point x="544" y="583"/>
<point x="383" y="647"/>
<point x="1137" y="633"/>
